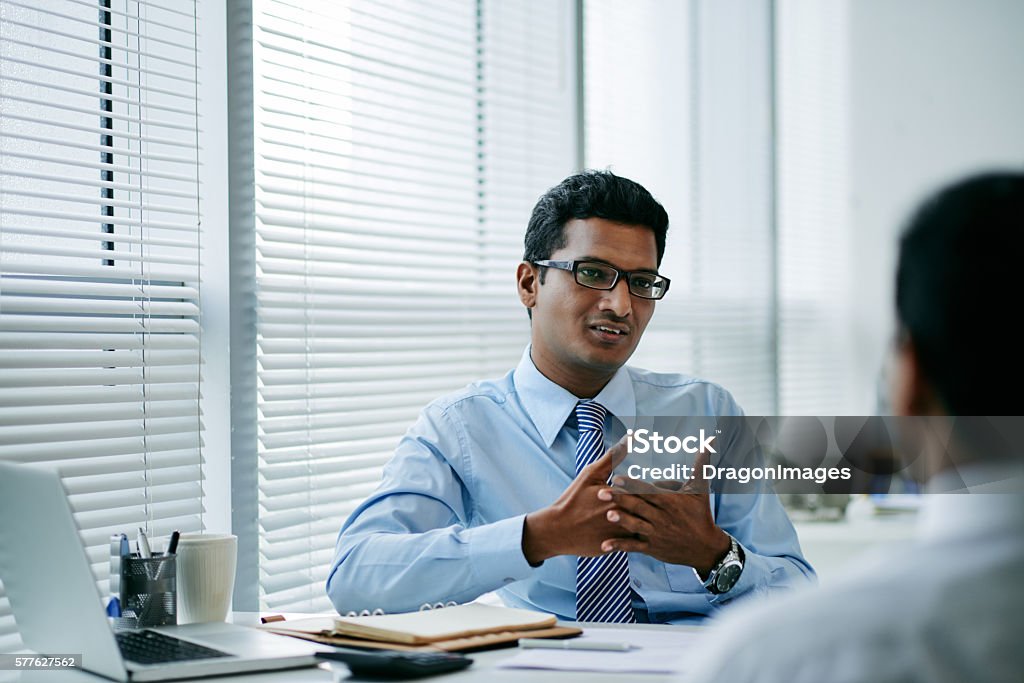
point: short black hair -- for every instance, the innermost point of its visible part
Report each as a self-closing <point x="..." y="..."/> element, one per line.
<point x="589" y="194"/>
<point x="958" y="286"/>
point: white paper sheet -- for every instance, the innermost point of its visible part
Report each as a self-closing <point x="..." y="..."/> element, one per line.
<point x="658" y="652"/>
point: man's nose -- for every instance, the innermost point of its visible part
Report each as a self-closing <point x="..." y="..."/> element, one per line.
<point x="618" y="300"/>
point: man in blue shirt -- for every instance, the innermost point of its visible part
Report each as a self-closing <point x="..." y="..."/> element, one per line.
<point x="495" y="487"/>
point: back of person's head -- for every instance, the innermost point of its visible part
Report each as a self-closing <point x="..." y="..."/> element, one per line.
<point x="590" y="194"/>
<point x="959" y="287"/>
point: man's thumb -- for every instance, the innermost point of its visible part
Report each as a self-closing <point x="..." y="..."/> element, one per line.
<point x="697" y="483"/>
<point x="603" y="466"/>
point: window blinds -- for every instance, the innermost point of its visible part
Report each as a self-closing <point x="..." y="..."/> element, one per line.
<point x="99" y="258"/>
<point x="816" y="349"/>
<point x="678" y="98"/>
<point x="399" y="147"/>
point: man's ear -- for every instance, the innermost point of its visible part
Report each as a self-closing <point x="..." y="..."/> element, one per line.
<point x="910" y="389"/>
<point x="527" y="283"/>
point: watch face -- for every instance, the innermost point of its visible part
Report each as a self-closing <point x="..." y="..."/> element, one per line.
<point x="727" y="577"/>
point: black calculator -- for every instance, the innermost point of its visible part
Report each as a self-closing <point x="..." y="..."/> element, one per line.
<point x="394" y="665"/>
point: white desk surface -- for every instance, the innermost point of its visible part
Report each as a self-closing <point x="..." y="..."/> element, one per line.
<point x="829" y="546"/>
<point x="481" y="671"/>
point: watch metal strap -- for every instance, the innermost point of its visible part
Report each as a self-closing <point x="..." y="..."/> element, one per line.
<point x="733" y="554"/>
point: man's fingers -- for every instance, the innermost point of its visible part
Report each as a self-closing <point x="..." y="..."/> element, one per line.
<point x="638" y="506"/>
<point x="631" y="523"/>
<point x="697" y="483"/>
<point x="618" y="452"/>
<point x="602" y="467"/>
<point x="637" y="487"/>
<point x="635" y="491"/>
<point x="626" y="545"/>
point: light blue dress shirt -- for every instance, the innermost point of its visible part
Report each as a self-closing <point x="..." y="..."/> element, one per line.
<point x="446" y="522"/>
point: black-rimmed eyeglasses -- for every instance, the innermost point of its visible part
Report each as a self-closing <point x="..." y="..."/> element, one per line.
<point x="597" y="275"/>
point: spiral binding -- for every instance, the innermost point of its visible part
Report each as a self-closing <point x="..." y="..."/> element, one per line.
<point x="379" y="612"/>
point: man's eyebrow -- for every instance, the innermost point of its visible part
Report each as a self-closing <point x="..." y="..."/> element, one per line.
<point x="609" y="263"/>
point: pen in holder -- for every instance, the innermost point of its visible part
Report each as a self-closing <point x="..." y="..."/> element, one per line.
<point x="149" y="593"/>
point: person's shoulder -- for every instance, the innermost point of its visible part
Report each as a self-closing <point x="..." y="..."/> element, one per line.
<point x="798" y="636"/>
<point x="673" y="387"/>
<point x="670" y="380"/>
<point x="485" y="392"/>
<point x="915" y="600"/>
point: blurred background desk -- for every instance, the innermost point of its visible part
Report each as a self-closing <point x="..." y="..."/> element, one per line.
<point x="832" y="545"/>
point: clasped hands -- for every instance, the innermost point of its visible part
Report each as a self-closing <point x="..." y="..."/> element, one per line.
<point x="671" y="522"/>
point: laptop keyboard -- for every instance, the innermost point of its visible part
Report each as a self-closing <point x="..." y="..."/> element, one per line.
<point x="150" y="647"/>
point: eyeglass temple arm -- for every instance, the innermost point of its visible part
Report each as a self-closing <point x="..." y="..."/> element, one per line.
<point x="563" y="265"/>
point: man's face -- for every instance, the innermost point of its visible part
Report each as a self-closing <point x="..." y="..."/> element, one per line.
<point x="588" y="332"/>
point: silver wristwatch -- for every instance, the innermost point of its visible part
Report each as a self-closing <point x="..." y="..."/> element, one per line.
<point x="726" y="573"/>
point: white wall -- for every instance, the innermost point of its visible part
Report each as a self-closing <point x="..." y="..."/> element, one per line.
<point x="935" y="93"/>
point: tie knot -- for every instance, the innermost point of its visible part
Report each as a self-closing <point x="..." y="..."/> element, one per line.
<point x="590" y="416"/>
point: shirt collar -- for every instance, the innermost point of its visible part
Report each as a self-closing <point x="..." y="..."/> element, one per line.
<point x="550" y="405"/>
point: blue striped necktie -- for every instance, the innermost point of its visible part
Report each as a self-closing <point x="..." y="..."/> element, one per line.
<point x="602" y="582"/>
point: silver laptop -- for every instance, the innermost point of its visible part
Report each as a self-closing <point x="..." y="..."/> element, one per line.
<point x="59" y="610"/>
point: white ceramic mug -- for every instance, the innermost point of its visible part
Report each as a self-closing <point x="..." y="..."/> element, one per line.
<point x="206" y="576"/>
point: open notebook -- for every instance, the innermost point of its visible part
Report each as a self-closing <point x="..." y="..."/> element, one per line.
<point x="459" y="628"/>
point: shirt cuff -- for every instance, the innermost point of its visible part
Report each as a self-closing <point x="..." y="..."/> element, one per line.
<point x="755" y="575"/>
<point x="496" y="552"/>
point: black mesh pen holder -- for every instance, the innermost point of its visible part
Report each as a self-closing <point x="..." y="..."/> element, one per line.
<point x="149" y="591"/>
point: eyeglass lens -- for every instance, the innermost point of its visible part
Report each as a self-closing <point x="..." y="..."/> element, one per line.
<point x="601" y="276"/>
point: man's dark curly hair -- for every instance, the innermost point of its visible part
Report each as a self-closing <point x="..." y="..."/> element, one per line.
<point x="590" y="194"/>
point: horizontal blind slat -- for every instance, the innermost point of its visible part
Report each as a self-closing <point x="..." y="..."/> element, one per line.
<point x="100" y="395"/>
<point x="62" y="450"/>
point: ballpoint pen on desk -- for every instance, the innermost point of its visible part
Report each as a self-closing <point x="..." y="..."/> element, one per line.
<point x="119" y="550"/>
<point x="115" y="564"/>
<point x="143" y="542"/>
<point x="551" y="644"/>
<point x="172" y="549"/>
<point x="172" y="545"/>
